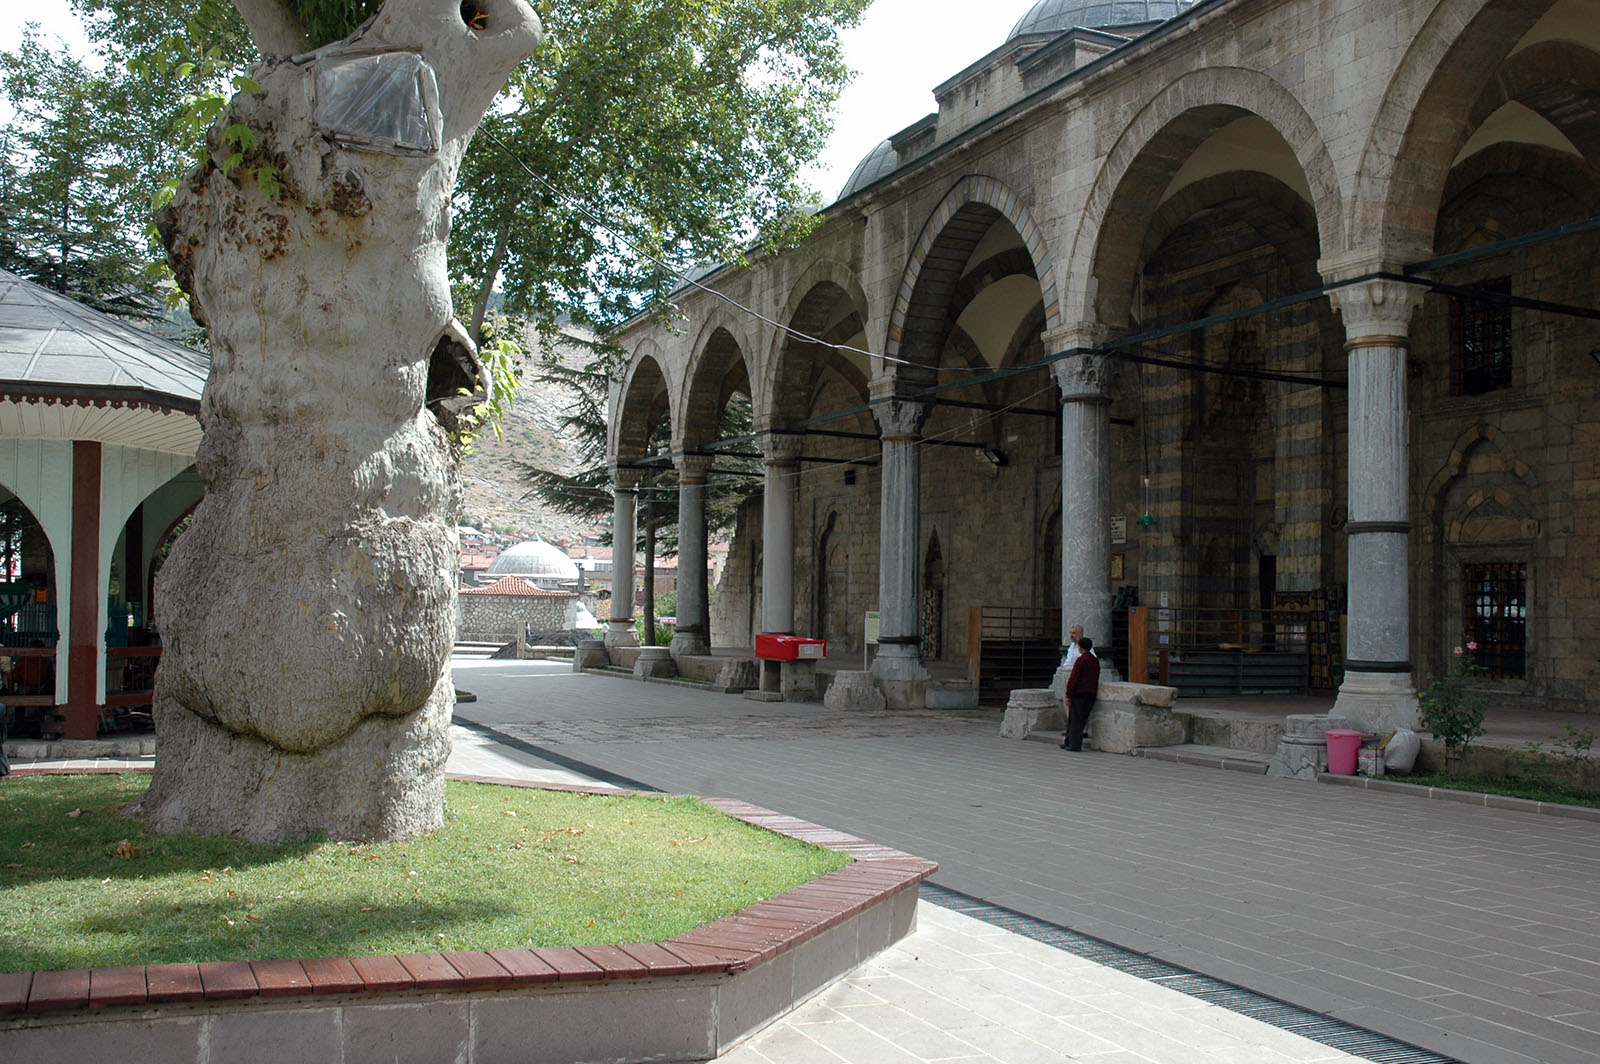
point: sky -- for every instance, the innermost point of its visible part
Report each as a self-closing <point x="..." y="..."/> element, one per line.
<point x="901" y="50"/>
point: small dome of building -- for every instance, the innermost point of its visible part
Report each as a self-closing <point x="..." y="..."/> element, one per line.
<point x="539" y="562"/>
<point x="879" y="164"/>
<point x="1058" y="16"/>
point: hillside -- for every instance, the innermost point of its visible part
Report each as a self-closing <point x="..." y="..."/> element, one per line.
<point x="493" y="495"/>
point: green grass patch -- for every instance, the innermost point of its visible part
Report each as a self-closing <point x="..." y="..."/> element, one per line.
<point x="83" y="886"/>
<point x="1510" y="788"/>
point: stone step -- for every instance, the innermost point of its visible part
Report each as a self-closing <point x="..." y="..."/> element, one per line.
<point x="1250" y="761"/>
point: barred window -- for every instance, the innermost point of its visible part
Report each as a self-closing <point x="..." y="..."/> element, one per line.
<point x="1480" y="341"/>
<point x="1497" y="617"/>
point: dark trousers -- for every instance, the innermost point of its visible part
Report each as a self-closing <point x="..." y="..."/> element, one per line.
<point x="1077" y="719"/>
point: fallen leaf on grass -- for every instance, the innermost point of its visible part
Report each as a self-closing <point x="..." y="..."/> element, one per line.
<point x="227" y="921"/>
<point x="75" y="814"/>
<point x="252" y="917"/>
<point x="688" y="842"/>
<point x="127" y="850"/>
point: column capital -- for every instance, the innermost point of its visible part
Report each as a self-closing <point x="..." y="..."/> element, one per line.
<point x="692" y="468"/>
<point x="781" y="448"/>
<point x="625" y="478"/>
<point x="899" y="417"/>
<point x="1084" y="378"/>
<point x="1377" y="311"/>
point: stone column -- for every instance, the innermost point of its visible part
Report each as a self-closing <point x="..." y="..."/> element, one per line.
<point x="691" y="637"/>
<point x="782" y="455"/>
<point x="898" y="666"/>
<point x="620" y="632"/>
<point x="1378" y="691"/>
<point x="1085" y="383"/>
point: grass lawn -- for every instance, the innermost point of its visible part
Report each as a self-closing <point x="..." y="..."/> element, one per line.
<point x="82" y="886"/>
<point x="1530" y="789"/>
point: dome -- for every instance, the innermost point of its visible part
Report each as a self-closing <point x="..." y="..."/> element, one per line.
<point x="879" y="164"/>
<point x="535" y="560"/>
<point x="1058" y="16"/>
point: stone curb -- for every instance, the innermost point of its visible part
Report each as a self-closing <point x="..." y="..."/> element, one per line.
<point x="730" y="945"/>
<point x="1445" y="794"/>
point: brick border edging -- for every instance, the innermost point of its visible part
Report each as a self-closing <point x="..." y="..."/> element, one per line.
<point x="732" y="944"/>
<point x="1480" y="798"/>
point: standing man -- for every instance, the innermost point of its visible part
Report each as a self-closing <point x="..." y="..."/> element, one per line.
<point x="1083" y="684"/>
<point x="1074" y="634"/>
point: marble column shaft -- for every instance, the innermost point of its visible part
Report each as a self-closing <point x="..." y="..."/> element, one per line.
<point x="624" y="535"/>
<point x="899" y="630"/>
<point x="1085" y="496"/>
<point x="690" y="636"/>
<point x="782" y="455"/>
<point x="1378" y="690"/>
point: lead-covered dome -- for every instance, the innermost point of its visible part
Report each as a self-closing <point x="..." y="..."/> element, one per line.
<point x="1058" y="16"/>
<point x="879" y="163"/>
<point x="536" y="561"/>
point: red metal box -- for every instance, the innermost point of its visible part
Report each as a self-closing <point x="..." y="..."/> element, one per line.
<point x="790" y="648"/>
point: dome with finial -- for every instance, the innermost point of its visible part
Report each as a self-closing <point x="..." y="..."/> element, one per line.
<point x="1058" y="16"/>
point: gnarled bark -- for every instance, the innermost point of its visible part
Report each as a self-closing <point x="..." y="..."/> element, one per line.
<point x="308" y="613"/>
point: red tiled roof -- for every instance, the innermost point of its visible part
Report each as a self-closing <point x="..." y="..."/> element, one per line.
<point x="515" y="585"/>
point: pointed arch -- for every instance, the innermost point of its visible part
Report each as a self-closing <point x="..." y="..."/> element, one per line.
<point x="829" y="304"/>
<point x="1424" y="119"/>
<point x="1098" y="283"/>
<point x="917" y="323"/>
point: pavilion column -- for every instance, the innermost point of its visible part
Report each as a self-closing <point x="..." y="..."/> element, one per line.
<point x="620" y="631"/>
<point x="691" y="636"/>
<point x="81" y="714"/>
<point x="1378" y="690"/>
<point x="898" y="666"/>
<point x="782" y="454"/>
<point x="1085" y="382"/>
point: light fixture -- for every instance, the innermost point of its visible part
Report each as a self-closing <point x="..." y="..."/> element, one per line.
<point x="992" y="456"/>
<point x="1146" y="521"/>
<point x="1595" y="354"/>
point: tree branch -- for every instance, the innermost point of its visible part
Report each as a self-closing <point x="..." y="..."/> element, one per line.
<point x="273" y="27"/>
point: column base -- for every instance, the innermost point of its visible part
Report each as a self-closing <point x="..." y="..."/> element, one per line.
<point x="689" y="645"/>
<point x="621" y="634"/>
<point x="902" y="679"/>
<point x="1378" y="701"/>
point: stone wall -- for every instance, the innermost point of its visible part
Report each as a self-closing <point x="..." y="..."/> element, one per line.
<point x="501" y="618"/>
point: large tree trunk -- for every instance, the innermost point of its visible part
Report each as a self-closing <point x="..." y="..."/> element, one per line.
<point x="310" y="609"/>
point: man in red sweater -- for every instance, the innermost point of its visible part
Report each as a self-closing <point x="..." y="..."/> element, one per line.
<point x="1083" y="684"/>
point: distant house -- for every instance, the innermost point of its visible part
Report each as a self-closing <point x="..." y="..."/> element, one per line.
<point x="501" y="611"/>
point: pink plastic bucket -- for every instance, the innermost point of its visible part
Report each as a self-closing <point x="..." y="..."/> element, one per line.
<point x="1343" y="746"/>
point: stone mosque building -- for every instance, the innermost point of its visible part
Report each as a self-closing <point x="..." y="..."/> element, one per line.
<point x="1273" y="318"/>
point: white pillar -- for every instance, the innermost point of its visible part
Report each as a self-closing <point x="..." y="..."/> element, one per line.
<point x="1378" y="690"/>
<point x="782" y="455"/>
<point x="691" y="635"/>
<point x="1085" y="383"/>
<point x="898" y="666"/>
<point x="620" y="632"/>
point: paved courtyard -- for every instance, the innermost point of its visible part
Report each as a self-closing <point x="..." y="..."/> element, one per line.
<point x="1472" y="932"/>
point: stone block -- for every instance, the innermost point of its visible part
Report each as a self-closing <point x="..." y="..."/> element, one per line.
<point x="654" y="662"/>
<point x="590" y="654"/>
<point x="737" y="676"/>
<point x="1143" y="694"/>
<point x="1302" y="750"/>
<point x="676" y="1021"/>
<point x="952" y="694"/>
<point x="797" y="681"/>
<point x="854" y="690"/>
<point x="407" y="1034"/>
<point x="1032" y="709"/>
<point x="1123" y="727"/>
<point x="274" y="1036"/>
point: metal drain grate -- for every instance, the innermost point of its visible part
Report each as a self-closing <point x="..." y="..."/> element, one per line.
<point x="1336" y="1034"/>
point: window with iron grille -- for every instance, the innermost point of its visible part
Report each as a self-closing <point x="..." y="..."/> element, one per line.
<point x="1497" y="617"/>
<point x="1480" y="341"/>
